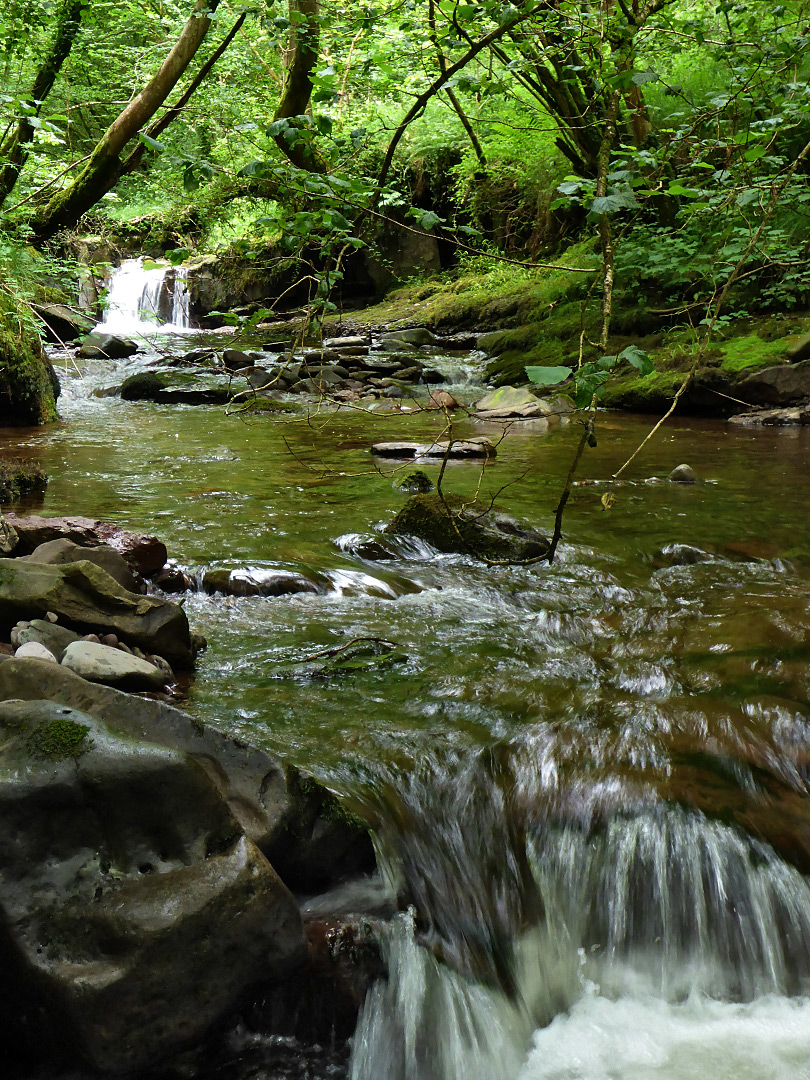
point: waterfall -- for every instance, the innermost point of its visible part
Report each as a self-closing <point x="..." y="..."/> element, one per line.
<point x="658" y="945"/>
<point x="143" y="302"/>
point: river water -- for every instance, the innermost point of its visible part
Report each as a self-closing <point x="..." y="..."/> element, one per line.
<point x="589" y="781"/>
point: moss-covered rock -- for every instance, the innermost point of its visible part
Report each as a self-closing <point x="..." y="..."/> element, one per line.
<point x="19" y="478"/>
<point x="452" y="525"/>
<point x="27" y="391"/>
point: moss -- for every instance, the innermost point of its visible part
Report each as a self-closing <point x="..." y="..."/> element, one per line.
<point x="643" y="393"/>
<point x="742" y="353"/>
<point x="59" y="739"/>
<point x="19" y="478"/>
<point x="26" y="389"/>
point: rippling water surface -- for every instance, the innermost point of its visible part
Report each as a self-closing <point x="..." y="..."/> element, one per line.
<point x="590" y="780"/>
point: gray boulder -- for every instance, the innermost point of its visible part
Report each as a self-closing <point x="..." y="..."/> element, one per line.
<point x="797" y="415"/>
<point x="86" y="598"/>
<point x="171" y="387"/>
<point x="684" y="474"/>
<point x="787" y="384"/>
<point x="418" y="335"/>
<point x="511" y="402"/>
<point x="106" y="347"/>
<point x="479" y="447"/>
<point x="145" y="554"/>
<point x="135" y="912"/>
<point x="33" y="650"/>
<point x="800" y="350"/>
<point x="113" y="667"/>
<point x="61" y="322"/>
<point x="61" y="551"/>
<point x="43" y="632"/>
<point x="277" y="808"/>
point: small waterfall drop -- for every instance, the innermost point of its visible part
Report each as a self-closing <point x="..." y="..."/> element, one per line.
<point x="143" y="302"/>
<point x="657" y="944"/>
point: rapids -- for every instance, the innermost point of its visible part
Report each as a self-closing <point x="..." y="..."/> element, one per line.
<point x="589" y="782"/>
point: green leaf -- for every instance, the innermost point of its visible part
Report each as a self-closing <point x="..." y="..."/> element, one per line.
<point x="687" y="193"/>
<point x="641" y="78"/>
<point x="638" y="358"/>
<point x="153" y="144"/>
<point x="755" y="153"/>
<point x="548" y="376"/>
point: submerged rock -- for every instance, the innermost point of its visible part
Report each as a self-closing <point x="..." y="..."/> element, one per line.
<point x="416" y="482"/>
<point x="135" y="909"/>
<point x="467" y="529"/>
<point x="256" y="581"/>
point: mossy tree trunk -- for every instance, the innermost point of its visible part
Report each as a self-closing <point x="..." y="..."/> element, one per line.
<point x="103" y="169"/>
<point x="305" y="36"/>
<point x="14" y="148"/>
<point x="28" y="385"/>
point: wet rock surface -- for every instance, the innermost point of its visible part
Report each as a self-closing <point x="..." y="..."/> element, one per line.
<point x="467" y="529"/>
<point x="86" y="598"/>
<point x="144" y="554"/>
<point x="136" y="911"/>
<point x="479" y="447"/>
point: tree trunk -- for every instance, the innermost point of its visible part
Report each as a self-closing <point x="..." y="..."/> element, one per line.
<point x="13" y="150"/>
<point x="102" y="170"/>
<point x="305" y="37"/>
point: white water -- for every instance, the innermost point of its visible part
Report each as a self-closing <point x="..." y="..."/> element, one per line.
<point x="671" y="949"/>
<point x="145" y="302"/>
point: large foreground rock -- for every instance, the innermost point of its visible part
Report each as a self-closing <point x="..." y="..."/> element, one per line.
<point x="469" y="530"/>
<point x="87" y="599"/>
<point x="62" y="323"/>
<point x="294" y="821"/>
<point x="134" y="911"/>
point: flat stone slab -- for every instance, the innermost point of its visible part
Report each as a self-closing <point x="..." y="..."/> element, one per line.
<point x="461" y="448"/>
<point x="800" y="415"/>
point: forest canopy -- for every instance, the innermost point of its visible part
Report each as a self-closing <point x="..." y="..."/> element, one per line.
<point x="673" y="133"/>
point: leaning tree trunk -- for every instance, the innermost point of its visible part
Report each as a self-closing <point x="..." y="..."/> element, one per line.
<point x="102" y="170"/>
<point x="297" y="91"/>
<point x="14" y="149"/>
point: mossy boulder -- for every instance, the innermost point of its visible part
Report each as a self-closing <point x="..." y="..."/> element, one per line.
<point x="452" y="525"/>
<point x="135" y="911"/>
<point x="27" y="382"/>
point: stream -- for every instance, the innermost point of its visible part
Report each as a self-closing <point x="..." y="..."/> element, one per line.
<point x="590" y="779"/>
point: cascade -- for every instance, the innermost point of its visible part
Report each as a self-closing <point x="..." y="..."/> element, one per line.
<point x="141" y="301"/>
<point x="652" y="947"/>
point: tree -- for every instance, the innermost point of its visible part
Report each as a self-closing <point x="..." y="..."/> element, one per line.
<point x="103" y="169"/>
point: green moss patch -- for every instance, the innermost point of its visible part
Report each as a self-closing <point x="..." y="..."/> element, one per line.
<point x="26" y="387"/>
<point x="59" y="739"/>
<point x="742" y="353"/>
